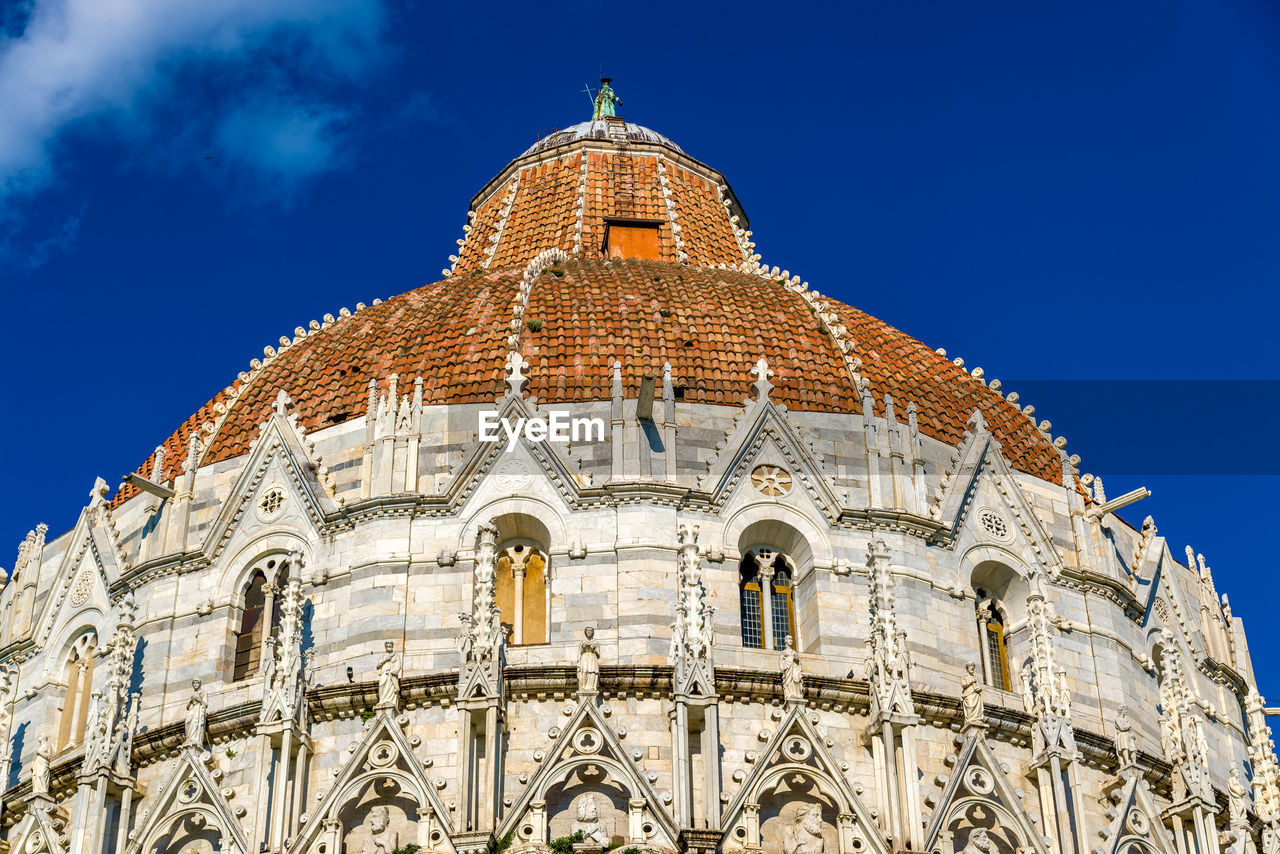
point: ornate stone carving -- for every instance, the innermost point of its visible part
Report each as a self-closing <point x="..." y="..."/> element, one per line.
<point x="589" y="663"/>
<point x="197" y="716"/>
<point x="587" y="821"/>
<point x="382" y="839"/>
<point x="40" y="766"/>
<point x="804" y="834"/>
<point x="888" y="663"/>
<point x="975" y="712"/>
<point x="792" y="675"/>
<point x="1126" y="740"/>
<point x="389" y="667"/>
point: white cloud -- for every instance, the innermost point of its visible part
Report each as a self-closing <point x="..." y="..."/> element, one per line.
<point x="255" y="79"/>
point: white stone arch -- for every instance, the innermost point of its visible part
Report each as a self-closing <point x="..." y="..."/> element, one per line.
<point x="958" y="812"/>
<point x="767" y="519"/>
<point x="999" y="582"/>
<point x="824" y="783"/>
<point x="795" y="538"/>
<point x="238" y="569"/>
<point x="91" y="620"/>
<point x="617" y="772"/>
<point x="548" y="516"/>
<point x="211" y="818"/>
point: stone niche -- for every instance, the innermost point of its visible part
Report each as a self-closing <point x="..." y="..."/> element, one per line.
<point x="978" y="828"/>
<point x="796" y="819"/>
<point x="190" y="835"/>
<point x="381" y="820"/>
<point x="588" y="801"/>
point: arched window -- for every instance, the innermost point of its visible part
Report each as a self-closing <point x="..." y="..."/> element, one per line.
<point x="750" y="607"/>
<point x="260" y="599"/>
<point x="520" y="588"/>
<point x="77" y="679"/>
<point x="766" y="604"/>
<point x="991" y="643"/>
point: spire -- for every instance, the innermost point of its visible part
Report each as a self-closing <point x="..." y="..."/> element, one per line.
<point x="606" y="101"/>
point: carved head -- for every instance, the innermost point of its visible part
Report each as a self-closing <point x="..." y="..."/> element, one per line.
<point x="809" y="817"/>
<point x="590" y="632"/>
<point x="379" y="818"/>
<point x="195" y="684"/>
<point x="969" y="667"/>
<point x="978" y="839"/>
<point x="587" y="809"/>
<point x="389" y="646"/>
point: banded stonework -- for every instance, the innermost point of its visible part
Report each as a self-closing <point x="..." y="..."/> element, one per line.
<point x="819" y="590"/>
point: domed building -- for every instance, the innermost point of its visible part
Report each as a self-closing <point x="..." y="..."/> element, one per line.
<point x="615" y="538"/>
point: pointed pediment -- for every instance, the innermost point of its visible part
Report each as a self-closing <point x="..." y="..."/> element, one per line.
<point x="484" y="459"/>
<point x="88" y="566"/>
<point x="190" y="803"/>
<point x="1135" y="819"/>
<point x="281" y="477"/>
<point x="978" y="795"/>
<point x="981" y="478"/>
<point x="764" y="435"/>
<point x="43" y="830"/>
<point x="588" y="750"/>
<point x="382" y="757"/>
<point x="796" y="758"/>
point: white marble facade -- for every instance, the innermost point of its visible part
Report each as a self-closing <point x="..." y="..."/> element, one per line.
<point x="397" y="704"/>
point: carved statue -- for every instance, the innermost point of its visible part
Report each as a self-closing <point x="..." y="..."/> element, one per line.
<point x="789" y="662"/>
<point x="1236" y="803"/>
<point x="40" y="766"/>
<point x="588" y="821"/>
<point x="804" y="834"/>
<point x="589" y="663"/>
<point x="975" y="712"/>
<point x="269" y="663"/>
<point x="197" y="715"/>
<point x="389" y="677"/>
<point x="1126" y="741"/>
<point x="979" y="842"/>
<point x="1028" y="696"/>
<point x="382" y="839"/>
<point x="466" y="636"/>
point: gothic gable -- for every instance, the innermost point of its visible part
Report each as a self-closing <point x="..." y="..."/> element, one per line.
<point x="1136" y="825"/>
<point x="91" y="561"/>
<point x="764" y="435"/>
<point x="796" y="772"/>
<point x="43" y="830"/>
<point x="381" y="771"/>
<point x="485" y="459"/>
<point x="282" y="480"/>
<point x="978" y="801"/>
<point x="190" y="807"/>
<point x="980" y="478"/>
<point x="587" y="768"/>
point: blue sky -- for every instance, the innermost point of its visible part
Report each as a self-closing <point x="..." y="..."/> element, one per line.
<point x="1055" y="194"/>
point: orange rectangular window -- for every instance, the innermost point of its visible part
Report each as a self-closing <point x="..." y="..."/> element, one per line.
<point x="632" y="240"/>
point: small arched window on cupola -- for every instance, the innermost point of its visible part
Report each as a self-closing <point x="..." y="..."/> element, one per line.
<point x="77" y="681"/>
<point x="520" y="591"/>
<point x="260" y="616"/>
<point x="766" y="604"/>
<point x="991" y="643"/>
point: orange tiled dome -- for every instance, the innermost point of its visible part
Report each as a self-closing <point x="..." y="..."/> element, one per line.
<point x="688" y="303"/>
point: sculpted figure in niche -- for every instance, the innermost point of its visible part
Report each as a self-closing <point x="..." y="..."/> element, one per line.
<point x="979" y="842"/>
<point x="197" y="715"/>
<point x="1236" y="803"/>
<point x="40" y="767"/>
<point x="792" y="675"/>
<point x="389" y="677"/>
<point x="382" y="839"/>
<point x="589" y="663"/>
<point x="804" y="834"/>
<point x="1126" y="741"/>
<point x="588" y="821"/>
<point x="971" y="696"/>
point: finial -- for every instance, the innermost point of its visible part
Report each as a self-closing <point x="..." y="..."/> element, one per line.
<point x="762" y="373"/>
